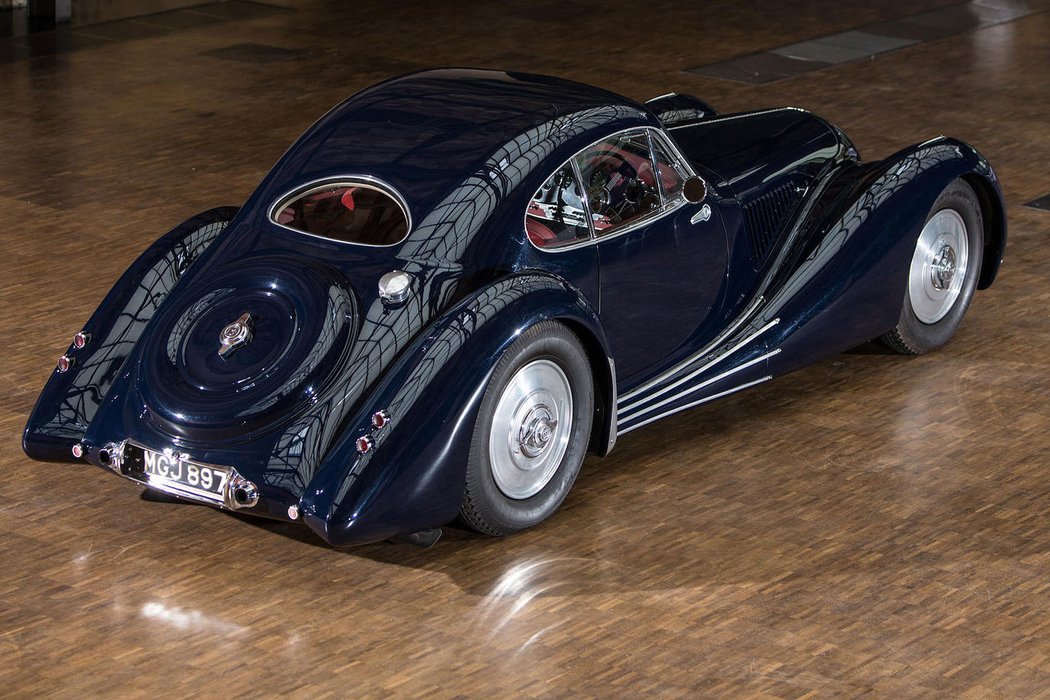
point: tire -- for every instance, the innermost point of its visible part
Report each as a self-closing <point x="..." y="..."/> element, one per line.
<point x="532" y="432"/>
<point x="942" y="274"/>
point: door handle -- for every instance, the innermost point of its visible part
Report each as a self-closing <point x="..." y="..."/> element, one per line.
<point x="703" y="215"/>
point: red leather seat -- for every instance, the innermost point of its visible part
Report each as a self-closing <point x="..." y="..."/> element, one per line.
<point x="538" y="232"/>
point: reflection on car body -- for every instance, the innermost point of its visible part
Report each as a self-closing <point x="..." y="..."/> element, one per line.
<point x="459" y="282"/>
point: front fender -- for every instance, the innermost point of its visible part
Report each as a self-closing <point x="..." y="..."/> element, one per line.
<point x="70" y="399"/>
<point x="413" y="477"/>
<point x="847" y="281"/>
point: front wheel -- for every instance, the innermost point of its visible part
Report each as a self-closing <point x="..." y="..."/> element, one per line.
<point x="531" y="433"/>
<point x="943" y="273"/>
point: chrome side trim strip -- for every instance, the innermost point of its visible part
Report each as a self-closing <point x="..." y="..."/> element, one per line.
<point x="701" y="385"/>
<point x="663" y="376"/>
<point x="660" y="97"/>
<point x="615" y="417"/>
<point x="742" y="115"/>
<point x="696" y="403"/>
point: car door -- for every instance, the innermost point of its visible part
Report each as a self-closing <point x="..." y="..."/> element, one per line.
<point x="662" y="261"/>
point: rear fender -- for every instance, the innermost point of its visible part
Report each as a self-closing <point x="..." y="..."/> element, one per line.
<point x="70" y="399"/>
<point x="413" y="476"/>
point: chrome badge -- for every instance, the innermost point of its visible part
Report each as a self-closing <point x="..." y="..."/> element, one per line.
<point x="235" y="334"/>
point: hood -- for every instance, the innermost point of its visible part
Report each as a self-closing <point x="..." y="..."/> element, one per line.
<point x="751" y="154"/>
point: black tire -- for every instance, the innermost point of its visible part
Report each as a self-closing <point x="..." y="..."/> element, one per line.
<point x="547" y="350"/>
<point x="935" y="322"/>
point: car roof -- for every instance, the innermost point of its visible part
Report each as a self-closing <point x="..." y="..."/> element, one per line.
<point x="426" y="133"/>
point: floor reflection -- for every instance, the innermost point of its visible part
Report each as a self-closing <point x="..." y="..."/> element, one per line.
<point x="188" y="620"/>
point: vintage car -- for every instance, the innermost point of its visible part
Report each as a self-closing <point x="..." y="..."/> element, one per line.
<point x="458" y="283"/>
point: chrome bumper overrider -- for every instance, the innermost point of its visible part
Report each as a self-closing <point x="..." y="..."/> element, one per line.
<point x="140" y="464"/>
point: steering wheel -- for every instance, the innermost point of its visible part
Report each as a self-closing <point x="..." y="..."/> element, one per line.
<point x="615" y="190"/>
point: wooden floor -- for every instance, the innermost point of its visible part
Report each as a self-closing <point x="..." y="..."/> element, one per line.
<point x="871" y="525"/>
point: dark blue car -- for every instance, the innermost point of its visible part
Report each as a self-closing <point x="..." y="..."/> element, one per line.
<point x="458" y="283"/>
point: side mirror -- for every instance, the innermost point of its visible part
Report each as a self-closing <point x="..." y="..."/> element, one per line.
<point x="695" y="190"/>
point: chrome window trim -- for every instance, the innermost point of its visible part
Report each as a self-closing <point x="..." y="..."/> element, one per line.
<point x="650" y="218"/>
<point x="592" y="232"/>
<point x="367" y="181"/>
<point x="656" y="171"/>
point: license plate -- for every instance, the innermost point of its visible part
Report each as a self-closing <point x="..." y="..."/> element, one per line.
<point x="171" y="472"/>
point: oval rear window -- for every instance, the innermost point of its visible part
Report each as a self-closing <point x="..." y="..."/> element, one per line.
<point x="352" y="212"/>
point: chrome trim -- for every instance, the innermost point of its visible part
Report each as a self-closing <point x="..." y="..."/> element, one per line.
<point x="314" y="185"/>
<point x="668" y="208"/>
<point x="666" y="374"/>
<point x="364" y="444"/>
<point x="696" y="403"/>
<point x="703" y="215"/>
<point x="701" y="385"/>
<point x="235" y="334"/>
<point x="380" y="419"/>
<point x="740" y="116"/>
<point x="389" y="290"/>
<point x="656" y="171"/>
<point x="111" y="455"/>
<point x="238" y="492"/>
<point x="226" y="500"/>
<point x="615" y="417"/>
<point x="660" y="97"/>
<point x="701" y="369"/>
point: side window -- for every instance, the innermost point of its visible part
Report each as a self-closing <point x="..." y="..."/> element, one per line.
<point x="669" y="171"/>
<point x="619" y="180"/>
<point x="556" y="216"/>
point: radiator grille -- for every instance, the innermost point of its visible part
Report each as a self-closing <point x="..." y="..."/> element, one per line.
<point x="766" y="218"/>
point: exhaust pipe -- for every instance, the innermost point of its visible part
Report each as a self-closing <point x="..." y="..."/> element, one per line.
<point x="241" y="493"/>
<point x="112" y="455"/>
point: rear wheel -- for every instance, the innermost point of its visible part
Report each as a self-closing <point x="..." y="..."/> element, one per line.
<point x="531" y="433"/>
<point x="943" y="273"/>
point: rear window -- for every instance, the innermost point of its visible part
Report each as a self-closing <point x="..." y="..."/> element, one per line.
<point x="352" y="212"/>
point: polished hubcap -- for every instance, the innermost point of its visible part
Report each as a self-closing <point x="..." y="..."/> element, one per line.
<point x="943" y="268"/>
<point x="530" y="429"/>
<point x="938" y="267"/>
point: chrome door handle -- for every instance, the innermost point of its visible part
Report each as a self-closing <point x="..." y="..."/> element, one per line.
<point x="703" y="215"/>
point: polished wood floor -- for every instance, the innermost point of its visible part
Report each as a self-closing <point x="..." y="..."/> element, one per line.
<point x="873" y="525"/>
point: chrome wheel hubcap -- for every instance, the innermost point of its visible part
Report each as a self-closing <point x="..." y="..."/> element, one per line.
<point x="938" y="267"/>
<point x="530" y="429"/>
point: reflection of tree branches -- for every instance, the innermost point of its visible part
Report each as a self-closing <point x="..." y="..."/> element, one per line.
<point x="433" y="250"/>
<point x="839" y="235"/>
<point x="100" y="365"/>
<point x="452" y="338"/>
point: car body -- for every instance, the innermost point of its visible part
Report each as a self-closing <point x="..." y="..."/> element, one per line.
<point x="341" y="383"/>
